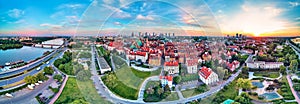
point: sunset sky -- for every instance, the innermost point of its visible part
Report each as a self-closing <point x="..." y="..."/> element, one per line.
<point x="182" y="17"/>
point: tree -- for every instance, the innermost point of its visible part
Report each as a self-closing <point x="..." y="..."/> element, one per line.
<point x="110" y="79"/>
<point x="221" y="72"/>
<point x="294" y="65"/>
<point x="282" y="69"/>
<point x="244" y="83"/>
<point x="41" y="77"/>
<point x="281" y="59"/>
<point x="177" y="79"/>
<point x="48" y="70"/>
<point x="58" y="77"/>
<point x="245" y="70"/>
<point x="30" y="79"/>
<point x="159" y="91"/>
<point x="150" y="91"/>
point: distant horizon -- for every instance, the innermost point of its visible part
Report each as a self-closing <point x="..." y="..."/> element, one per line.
<point x="254" y="18"/>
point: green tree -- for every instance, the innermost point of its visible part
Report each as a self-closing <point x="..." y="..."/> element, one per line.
<point x="282" y="69"/>
<point x="177" y="79"/>
<point x="30" y="79"/>
<point x="294" y="65"/>
<point x="281" y="59"/>
<point x="48" y="70"/>
<point x="244" y="83"/>
<point x="41" y="77"/>
<point x="58" y="77"/>
<point x="110" y="79"/>
<point x="159" y="91"/>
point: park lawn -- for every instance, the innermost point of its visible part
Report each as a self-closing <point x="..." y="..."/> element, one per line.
<point x="128" y="77"/>
<point x="152" y="83"/>
<point x="70" y="93"/>
<point x="173" y="96"/>
<point x="189" y="77"/>
<point x="190" y="92"/>
<point x="89" y="92"/>
<point x="267" y="74"/>
<point x="121" y="89"/>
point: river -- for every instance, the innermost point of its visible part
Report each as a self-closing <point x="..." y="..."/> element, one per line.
<point x="25" y="53"/>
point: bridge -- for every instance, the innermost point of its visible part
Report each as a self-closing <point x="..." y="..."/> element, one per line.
<point x="47" y="45"/>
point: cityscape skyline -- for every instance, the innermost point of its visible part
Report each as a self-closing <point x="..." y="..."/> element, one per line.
<point x="205" y="17"/>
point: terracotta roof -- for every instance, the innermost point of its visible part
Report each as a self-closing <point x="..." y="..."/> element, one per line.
<point x="192" y="62"/>
<point x="169" y="78"/>
<point x="205" y="72"/>
<point x="171" y="63"/>
<point x="141" y="53"/>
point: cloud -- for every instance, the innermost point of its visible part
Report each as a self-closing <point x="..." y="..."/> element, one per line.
<point x="94" y="2"/>
<point x="108" y="1"/>
<point x="16" y="13"/>
<point x="51" y="26"/>
<point x="72" y="6"/>
<point x="294" y="4"/>
<point x="254" y="19"/>
<point x="118" y="23"/>
<point x="141" y="17"/>
<point x="20" y="21"/>
<point x="118" y="13"/>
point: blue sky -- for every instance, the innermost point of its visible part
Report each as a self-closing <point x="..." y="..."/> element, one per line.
<point x="192" y="17"/>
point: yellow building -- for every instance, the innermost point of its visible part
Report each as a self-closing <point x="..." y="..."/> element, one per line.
<point x="296" y="40"/>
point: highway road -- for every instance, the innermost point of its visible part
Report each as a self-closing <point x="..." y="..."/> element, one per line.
<point x="32" y="72"/>
<point x="26" y="67"/>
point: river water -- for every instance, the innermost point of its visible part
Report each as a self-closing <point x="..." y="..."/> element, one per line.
<point x="25" y="53"/>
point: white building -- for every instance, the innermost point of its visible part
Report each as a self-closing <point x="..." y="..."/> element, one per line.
<point x="166" y="80"/>
<point x="172" y="67"/>
<point x="264" y="65"/>
<point x="207" y="76"/>
<point x="104" y="67"/>
<point x="143" y="56"/>
<point x="192" y="65"/>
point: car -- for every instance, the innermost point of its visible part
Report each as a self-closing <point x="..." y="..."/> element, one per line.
<point x="47" y="62"/>
<point x="8" y="95"/>
<point x="38" y="68"/>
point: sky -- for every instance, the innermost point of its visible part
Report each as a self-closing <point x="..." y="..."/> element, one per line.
<point x="182" y="17"/>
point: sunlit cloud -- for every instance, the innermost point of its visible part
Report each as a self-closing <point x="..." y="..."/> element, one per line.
<point x="16" y="13"/>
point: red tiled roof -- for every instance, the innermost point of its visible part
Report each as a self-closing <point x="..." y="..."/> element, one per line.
<point x="171" y="63"/>
<point x="110" y="44"/>
<point x="169" y="78"/>
<point x="192" y="62"/>
<point x="205" y="72"/>
<point x="141" y="53"/>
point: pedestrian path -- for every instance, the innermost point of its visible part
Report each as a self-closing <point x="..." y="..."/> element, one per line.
<point x="293" y="91"/>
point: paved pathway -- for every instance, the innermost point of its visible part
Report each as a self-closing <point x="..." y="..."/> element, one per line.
<point x="179" y="92"/>
<point x="60" y="90"/>
<point x="288" y="77"/>
<point x="251" y="76"/>
<point x="142" y="89"/>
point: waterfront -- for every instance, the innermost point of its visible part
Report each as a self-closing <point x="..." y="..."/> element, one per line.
<point x="25" y="53"/>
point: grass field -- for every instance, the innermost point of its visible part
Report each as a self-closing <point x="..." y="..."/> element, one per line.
<point x="267" y="74"/>
<point x="89" y="92"/>
<point x="121" y="89"/>
<point x="189" y="77"/>
<point x="70" y="93"/>
<point x="190" y="92"/>
<point x="173" y="96"/>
